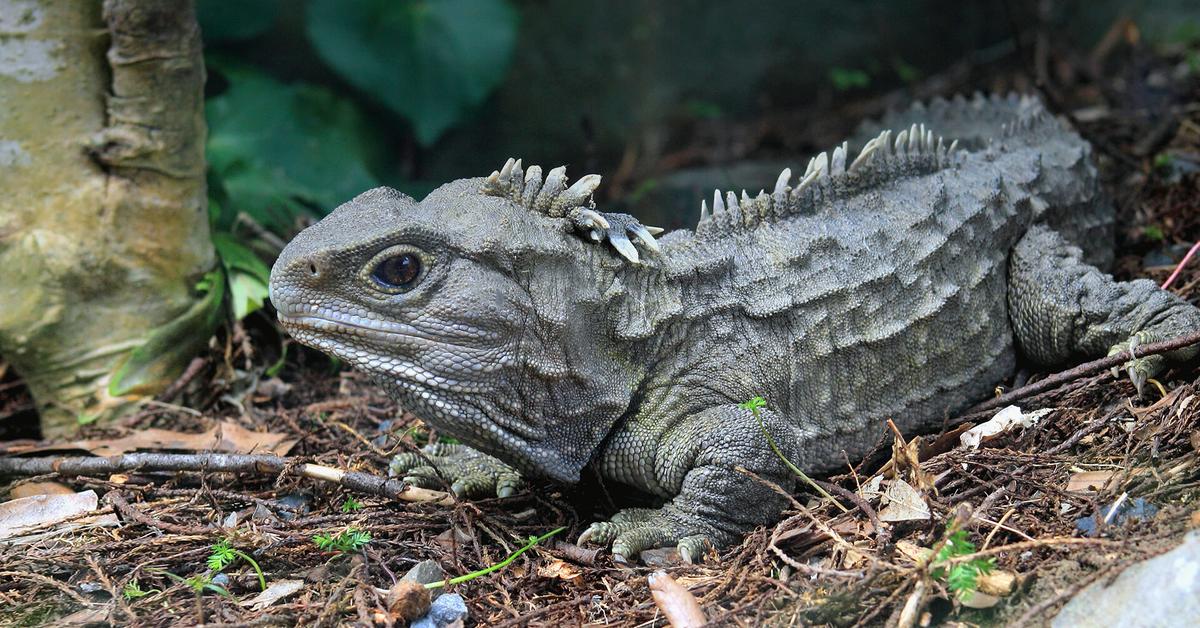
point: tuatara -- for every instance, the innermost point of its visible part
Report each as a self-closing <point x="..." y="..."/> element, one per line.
<point x="900" y="278"/>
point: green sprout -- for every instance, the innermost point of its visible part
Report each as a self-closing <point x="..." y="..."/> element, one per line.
<point x="349" y="540"/>
<point x="133" y="590"/>
<point x="351" y="505"/>
<point x="224" y="554"/>
<point x="755" y="406"/>
<point x="961" y="577"/>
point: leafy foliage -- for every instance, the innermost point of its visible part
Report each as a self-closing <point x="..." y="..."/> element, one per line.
<point x="961" y="576"/>
<point x="274" y="149"/>
<point x="133" y="590"/>
<point x="430" y="61"/>
<point x="351" y="505"/>
<point x="224" y="554"/>
<point x="247" y="275"/>
<point x="349" y="540"/>
<point x="222" y="20"/>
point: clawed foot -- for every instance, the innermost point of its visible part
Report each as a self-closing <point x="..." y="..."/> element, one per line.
<point x="470" y="473"/>
<point x="633" y="530"/>
<point x="616" y="228"/>
<point x="1140" y="370"/>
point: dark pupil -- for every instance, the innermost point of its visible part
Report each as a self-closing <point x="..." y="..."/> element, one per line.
<point x="397" y="272"/>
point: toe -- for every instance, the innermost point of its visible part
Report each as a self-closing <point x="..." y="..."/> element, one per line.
<point x="692" y="548"/>
<point x="402" y="463"/>
<point x="631" y="543"/>
<point x="474" y="485"/>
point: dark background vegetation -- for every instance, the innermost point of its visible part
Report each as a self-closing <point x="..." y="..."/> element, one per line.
<point x="310" y="103"/>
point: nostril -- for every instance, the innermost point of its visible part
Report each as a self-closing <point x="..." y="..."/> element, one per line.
<point x="312" y="269"/>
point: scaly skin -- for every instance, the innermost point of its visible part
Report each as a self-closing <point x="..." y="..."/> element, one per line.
<point x="548" y="336"/>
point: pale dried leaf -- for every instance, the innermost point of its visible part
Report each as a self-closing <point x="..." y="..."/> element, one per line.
<point x="912" y="551"/>
<point x="21" y="515"/>
<point x="29" y="489"/>
<point x="225" y="437"/>
<point x="273" y="593"/>
<point x="999" y="583"/>
<point x="904" y="503"/>
<point x="977" y="599"/>
<point x="559" y="569"/>
<point x="1096" y="480"/>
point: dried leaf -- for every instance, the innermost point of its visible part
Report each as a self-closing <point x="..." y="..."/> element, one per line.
<point x="225" y="436"/>
<point x="912" y="551"/>
<point x="21" y="515"/>
<point x="29" y="489"/>
<point x="277" y="591"/>
<point x="977" y="599"/>
<point x="452" y="539"/>
<point x="678" y="605"/>
<point x="906" y="457"/>
<point x="904" y="503"/>
<point x="999" y="583"/>
<point x="1097" y="480"/>
<point x="559" y="569"/>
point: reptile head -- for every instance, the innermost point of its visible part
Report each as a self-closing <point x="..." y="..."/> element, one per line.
<point x="473" y="311"/>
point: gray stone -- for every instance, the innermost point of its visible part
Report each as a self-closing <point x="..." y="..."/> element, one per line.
<point x="426" y="572"/>
<point x="1161" y="591"/>
<point x="446" y="610"/>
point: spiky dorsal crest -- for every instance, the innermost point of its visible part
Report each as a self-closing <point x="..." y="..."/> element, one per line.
<point x="912" y="150"/>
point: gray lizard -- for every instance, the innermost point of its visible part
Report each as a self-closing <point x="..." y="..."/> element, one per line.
<point x="896" y="280"/>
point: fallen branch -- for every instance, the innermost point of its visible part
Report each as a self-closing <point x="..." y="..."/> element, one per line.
<point x="262" y="464"/>
<point x="1068" y="375"/>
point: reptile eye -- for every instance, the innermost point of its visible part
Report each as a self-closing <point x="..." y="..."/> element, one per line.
<point x="398" y="272"/>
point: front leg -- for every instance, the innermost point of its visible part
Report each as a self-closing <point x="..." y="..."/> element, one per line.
<point x="694" y="463"/>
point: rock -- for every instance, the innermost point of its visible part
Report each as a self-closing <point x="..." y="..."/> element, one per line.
<point x="446" y="610"/>
<point x="1161" y="591"/>
<point x="425" y="572"/>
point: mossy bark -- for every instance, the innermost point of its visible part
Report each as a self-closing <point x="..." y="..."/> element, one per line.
<point x="103" y="222"/>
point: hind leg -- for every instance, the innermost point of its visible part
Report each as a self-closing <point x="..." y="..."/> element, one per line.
<point x="1062" y="308"/>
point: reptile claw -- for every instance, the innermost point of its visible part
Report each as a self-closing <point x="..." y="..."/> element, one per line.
<point x="1138" y="378"/>
<point x="587" y="534"/>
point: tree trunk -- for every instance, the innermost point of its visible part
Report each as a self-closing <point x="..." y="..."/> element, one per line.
<point x="103" y="222"/>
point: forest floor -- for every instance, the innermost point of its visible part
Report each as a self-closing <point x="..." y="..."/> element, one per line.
<point x="1037" y="503"/>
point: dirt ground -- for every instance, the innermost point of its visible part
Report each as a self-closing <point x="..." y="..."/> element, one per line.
<point x="1019" y="498"/>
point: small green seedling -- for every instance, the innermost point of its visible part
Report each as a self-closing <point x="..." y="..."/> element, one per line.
<point x="133" y="590"/>
<point x="349" y="540"/>
<point x="351" y="505"/>
<point x="960" y="577"/>
<point x="224" y="554"/>
<point x="199" y="583"/>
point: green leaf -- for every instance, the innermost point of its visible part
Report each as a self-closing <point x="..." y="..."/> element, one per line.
<point x="275" y="149"/>
<point x="236" y="256"/>
<point x="844" y="79"/>
<point x="248" y="276"/>
<point x="430" y="61"/>
<point x="222" y="20"/>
